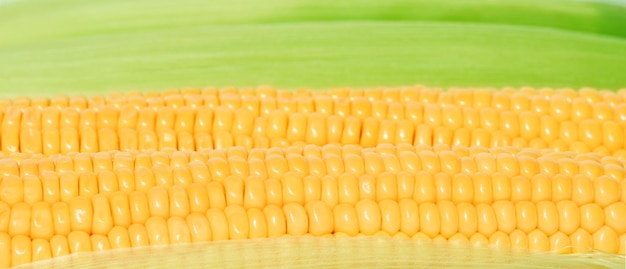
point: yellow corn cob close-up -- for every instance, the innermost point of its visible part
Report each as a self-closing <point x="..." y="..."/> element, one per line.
<point x="535" y="171"/>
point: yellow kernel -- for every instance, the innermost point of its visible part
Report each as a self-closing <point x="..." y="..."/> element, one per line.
<point x="79" y="241"/>
<point x="320" y="218"/>
<point x="276" y="221"/>
<point x="42" y="221"/>
<point x="614" y="217"/>
<point x="430" y="220"/>
<point x="59" y="246"/>
<point x="581" y="241"/>
<point x="199" y="227"/>
<point x="369" y="216"/>
<point x="606" y="239"/>
<point x="41" y="250"/>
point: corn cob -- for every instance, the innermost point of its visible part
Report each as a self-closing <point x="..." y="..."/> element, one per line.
<point x="541" y="170"/>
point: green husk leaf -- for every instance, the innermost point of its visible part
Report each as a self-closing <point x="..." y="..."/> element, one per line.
<point x="72" y="46"/>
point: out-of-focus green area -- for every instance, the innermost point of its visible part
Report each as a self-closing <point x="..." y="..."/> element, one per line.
<point x="297" y="252"/>
<point x="91" y="46"/>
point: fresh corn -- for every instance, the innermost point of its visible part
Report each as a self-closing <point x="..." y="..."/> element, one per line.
<point x="541" y="170"/>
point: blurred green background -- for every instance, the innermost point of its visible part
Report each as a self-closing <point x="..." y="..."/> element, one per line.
<point x="72" y="46"/>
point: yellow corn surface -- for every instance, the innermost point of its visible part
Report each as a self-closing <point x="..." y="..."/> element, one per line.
<point x="513" y="168"/>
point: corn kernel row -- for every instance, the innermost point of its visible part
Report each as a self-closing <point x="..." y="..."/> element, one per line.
<point x="48" y="132"/>
<point x="518" y="100"/>
<point x="559" y="107"/>
<point x="345" y="187"/>
<point x="257" y="193"/>
<point x="331" y="159"/>
<point x="62" y="229"/>
<point x="503" y="224"/>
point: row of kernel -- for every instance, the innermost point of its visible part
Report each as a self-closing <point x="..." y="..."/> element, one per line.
<point x="99" y="214"/>
<point x="562" y="105"/>
<point x="606" y="139"/>
<point x="293" y="187"/>
<point x="182" y="119"/>
<point x="333" y="160"/>
<point x="550" y="227"/>
<point x="317" y="126"/>
<point x="169" y="98"/>
<point x="70" y="140"/>
<point x="21" y="249"/>
<point x="186" y="118"/>
<point x="209" y="96"/>
<point x="308" y="150"/>
<point x="587" y="179"/>
<point x="519" y="100"/>
<point x="330" y="159"/>
<point x="454" y="115"/>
